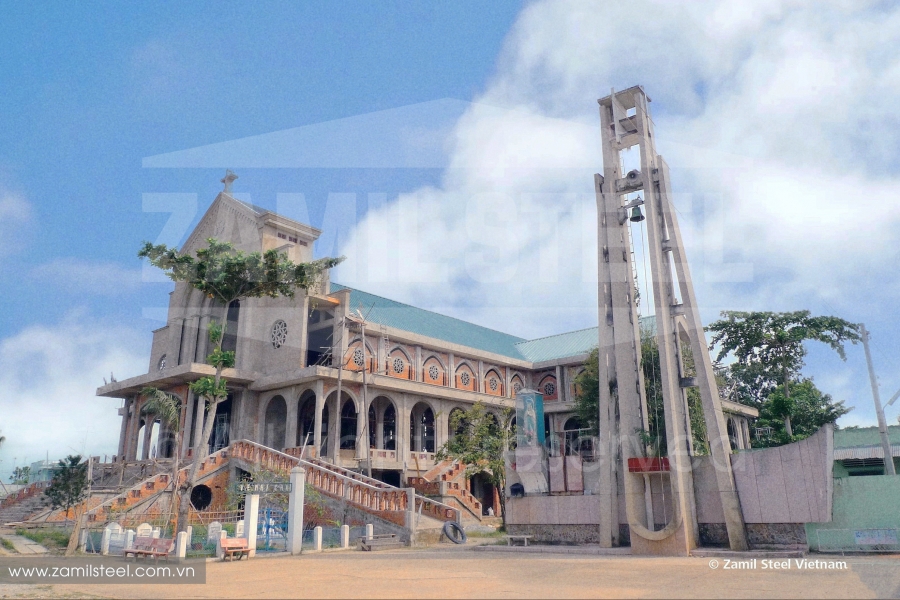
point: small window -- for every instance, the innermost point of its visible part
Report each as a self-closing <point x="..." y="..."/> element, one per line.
<point x="162" y="363"/>
<point x="279" y="333"/>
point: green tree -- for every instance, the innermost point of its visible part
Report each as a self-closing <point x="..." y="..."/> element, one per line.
<point x="20" y="475"/>
<point x="809" y="407"/>
<point x="68" y="487"/>
<point x="226" y="275"/>
<point x="480" y="443"/>
<point x="768" y="351"/>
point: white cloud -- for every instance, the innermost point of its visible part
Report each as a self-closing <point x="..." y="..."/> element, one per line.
<point x="87" y="277"/>
<point x="779" y="122"/>
<point x="48" y="382"/>
<point x="15" y="215"/>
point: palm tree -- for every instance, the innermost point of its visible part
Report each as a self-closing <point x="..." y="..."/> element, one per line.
<point x="166" y="407"/>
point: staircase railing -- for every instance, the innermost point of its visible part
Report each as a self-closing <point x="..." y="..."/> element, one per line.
<point x="366" y="492"/>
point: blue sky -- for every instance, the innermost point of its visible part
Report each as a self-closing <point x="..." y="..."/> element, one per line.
<point x="777" y="118"/>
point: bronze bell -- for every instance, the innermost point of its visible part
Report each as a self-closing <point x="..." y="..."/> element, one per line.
<point x="636" y="215"/>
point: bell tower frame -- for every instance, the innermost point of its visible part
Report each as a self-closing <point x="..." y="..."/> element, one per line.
<point x="625" y="123"/>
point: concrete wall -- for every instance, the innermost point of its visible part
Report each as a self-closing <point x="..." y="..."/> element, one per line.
<point x="871" y="502"/>
<point x="787" y="484"/>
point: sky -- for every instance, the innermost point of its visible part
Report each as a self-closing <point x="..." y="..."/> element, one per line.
<point x="447" y="149"/>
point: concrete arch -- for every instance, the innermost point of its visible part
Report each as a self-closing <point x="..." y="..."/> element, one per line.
<point x="435" y="356"/>
<point x="402" y="350"/>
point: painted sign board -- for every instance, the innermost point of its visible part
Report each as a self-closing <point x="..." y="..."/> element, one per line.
<point x="247" y="487"/>
<point x="875" y="537"/>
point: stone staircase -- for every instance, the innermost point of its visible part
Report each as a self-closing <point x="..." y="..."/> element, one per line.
<point x="107" y="507"/>
<point x="447" y="481"/>
<point x="21" y="505"/>
<point x="402" y="507"/>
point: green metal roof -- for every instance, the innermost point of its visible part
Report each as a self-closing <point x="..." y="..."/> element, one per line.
<point x="561" y="345"/>
<point x="864" y="436"/>
<point x="425" y="322"/>
<point x="405" y="317"/>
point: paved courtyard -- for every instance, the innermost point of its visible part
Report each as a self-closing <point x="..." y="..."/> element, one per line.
<point x="437" y="573"/>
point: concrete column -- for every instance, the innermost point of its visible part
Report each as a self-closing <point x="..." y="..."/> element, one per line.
<point x="123" y="432"/>
<point x="202" y="338"/>
<point x="404" y="444"/>
<point x="560" y="385"/>
<point x="148" y="431"/>
<point x="251" y="514"/>
<point x="156" y="533"/>
<point x="345" y="536"/>
<point x="129" y="538"/>
<point x="362" y="444"/>
<point x="418" y="367"/>
<point x="379" y="428"/>
<point x="290" y="429"/>
<point x="334" y="427"/>
<point x="188" y="423"/>
<point x="479" y="385"/>
<point x="320" y="405"/>
<point x="317" y="539"/>
<point x="134" y="429"/>
<point x="304" y="335"/>
<point x="189" y="348"/>
<point x="104" y="542"/>
<point x="219" y="552"/>
<point x="370" y="531"/>
<point x="198" y="424"/>
<point x="441" y="427"/>
<point x="295" y="510"/>
<point x="181" y="544"/>
<point x="451" y="376"/>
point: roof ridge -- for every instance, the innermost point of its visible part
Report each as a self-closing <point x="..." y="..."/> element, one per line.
<point x="537" y="339"/>
<point x="434" y="312"/>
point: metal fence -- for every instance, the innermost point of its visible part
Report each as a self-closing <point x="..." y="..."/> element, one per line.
<point x="857" y="540"/>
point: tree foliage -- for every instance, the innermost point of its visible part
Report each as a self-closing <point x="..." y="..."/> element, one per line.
<point x="68" y="487"/>
<point x="768" y="351"/>
<point x="480" y="443"/>
<point x="20" y="475"/>
<point x="808" y="406"/>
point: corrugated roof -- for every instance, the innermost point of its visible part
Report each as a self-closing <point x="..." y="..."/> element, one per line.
<point x="450" y="329"/>
<point x="572" y="343"/>
<point x="864" y="436"/>
<point x="862" y="452"/>
<point x="425" y="322"/>
<point x="561" y="345"/>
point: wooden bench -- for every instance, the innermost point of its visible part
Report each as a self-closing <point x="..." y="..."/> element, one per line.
<point x="235" y="546"/>
<point x="147" y="547"/>
<point x="380" y="542"/>
<point x="523" y="538"/>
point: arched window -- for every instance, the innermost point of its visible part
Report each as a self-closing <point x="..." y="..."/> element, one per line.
<point x="348" y="425"/>
<point x="276" y="415"/>
<point x="421" y="428"/>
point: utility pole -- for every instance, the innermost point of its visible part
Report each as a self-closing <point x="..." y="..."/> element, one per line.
<point x="879" y="411"/>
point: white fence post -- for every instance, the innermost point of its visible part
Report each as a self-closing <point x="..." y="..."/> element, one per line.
<point x="295" y="510"/>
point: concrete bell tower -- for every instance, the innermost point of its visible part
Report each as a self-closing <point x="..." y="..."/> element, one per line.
<point x="625" y="123"/>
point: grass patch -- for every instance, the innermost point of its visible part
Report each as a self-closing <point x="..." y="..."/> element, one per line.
<point x="48" y="538"/>
<point x="486" y="534"/>
<point x="7" y="544"/>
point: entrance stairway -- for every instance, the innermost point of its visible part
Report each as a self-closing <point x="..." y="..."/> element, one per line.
<point x="397" y="505"/>
<point x="20" y="505"/>
<point x="106" y="507"/>
<point x="447" y="481"/>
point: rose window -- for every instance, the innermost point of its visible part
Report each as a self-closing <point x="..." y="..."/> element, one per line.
<point x="464" y="378"/>
<point x="517" y="387"/>
<point x="279" y="333"/>
<point x="398" y="365"/>
<point x="549" y="388"/>
<point x="433" y="372"/>
<point x="359" y="358"/>
<point x="494" y="384"/>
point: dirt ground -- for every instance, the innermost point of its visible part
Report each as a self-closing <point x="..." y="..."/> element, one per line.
<point x="463" y="573"/>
